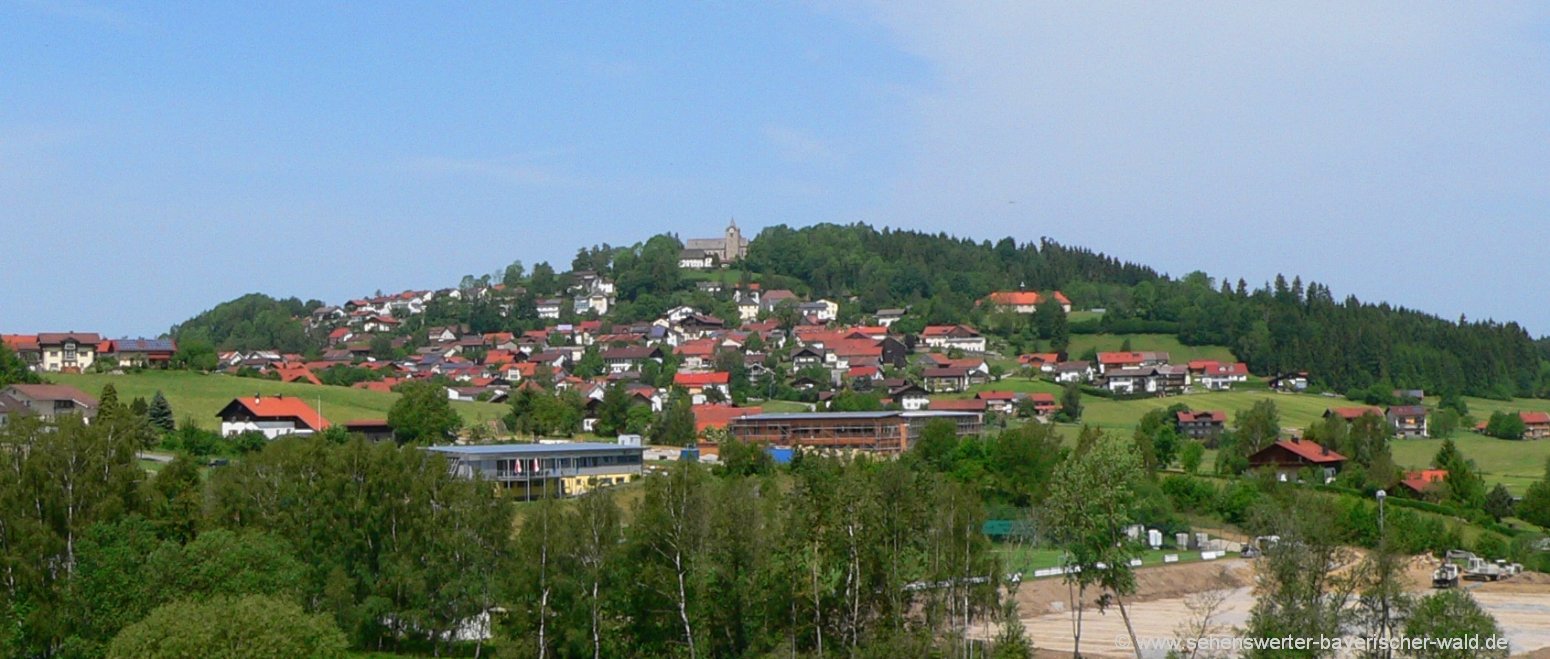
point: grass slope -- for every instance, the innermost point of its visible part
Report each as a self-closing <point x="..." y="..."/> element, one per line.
<point x="1168" y="343"/>
<point x="201" y="396"/>
<point x="1513" y="463"/>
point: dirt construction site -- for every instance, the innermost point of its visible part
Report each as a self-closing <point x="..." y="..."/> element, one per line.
<point x="1169" y="597"/>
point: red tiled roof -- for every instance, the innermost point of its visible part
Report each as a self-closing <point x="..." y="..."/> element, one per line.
<point x="697" y="348"/>
<point x="1039" y="358"/>
<point x="1534" y="418"/>
<point x="1353" y="413"/>
<point x="19" y="342"/>
<point x="1042" y="399"/>
<point x="1203" y="415"/>
<point x="996" y="395"/>
<point x="1120" y="358"/>
<point x="1419" y="481"/>
<point x="718" y="416"/>
<point x="283" y="407"/>
<point x="701" y="379"/>
<point x="1310" y="451"/>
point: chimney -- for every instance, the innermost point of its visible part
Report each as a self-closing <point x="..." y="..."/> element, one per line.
<point x="1326" y="450"/>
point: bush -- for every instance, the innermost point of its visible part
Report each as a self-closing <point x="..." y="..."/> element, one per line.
<point x="255" y="626"/>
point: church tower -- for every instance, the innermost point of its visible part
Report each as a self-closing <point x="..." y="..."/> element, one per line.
<point x="735" y="246"/>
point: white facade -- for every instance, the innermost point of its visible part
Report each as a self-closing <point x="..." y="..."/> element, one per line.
<point x="271" y="429"/>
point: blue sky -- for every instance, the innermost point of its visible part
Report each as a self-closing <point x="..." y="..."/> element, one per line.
<point x="158" y="159"/>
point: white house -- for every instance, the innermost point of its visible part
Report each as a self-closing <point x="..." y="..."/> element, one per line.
<point x="271" y="415"/>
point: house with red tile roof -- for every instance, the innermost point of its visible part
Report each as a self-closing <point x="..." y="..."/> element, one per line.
<point x="1288" y="457"/>
<point x="1130" y="360"/>
<point x="1044" y="405"/>
<point x="700" y="384"/>
<point x="949" y="337"/>
<point x="1536" y="425"/>
<point x="1407" y="420"/>
<point x="1217" y="376"/>
<point x="1423" y="482"/>
<point x="1203" y="424"/>
<point x="1044" y="362"/>
<point x="273" y="416"/>
<point x="1353" y="413"/>
<point x="1000" y="402"/>
<point x="1026" y="302"/>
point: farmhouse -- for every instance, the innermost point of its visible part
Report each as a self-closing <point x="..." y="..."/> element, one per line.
<point x="696" y="259"/>
<point x="948" y="337"/>
<point x="48" y="402"/>
<point x="67" y="352"/>
<point x="1206" y="424"/>
<point x="942" y="379"/>
<point x="532" y="471"/>
<point x="139" y="352"/>
<point x="1408" y="421"/>
<point x="1217" y="376"/>
<point x="700" y="385"/>
<point x="1536" y="425"/>
<point x="1287" y="457"/>
<point x="1026" y="302"/>
<point x="1419" y="483"/>
<point x="1130" y="360"/>
<point x="271" y="415"/>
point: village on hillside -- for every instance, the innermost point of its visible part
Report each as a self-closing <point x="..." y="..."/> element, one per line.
<point x="783" y="373"/>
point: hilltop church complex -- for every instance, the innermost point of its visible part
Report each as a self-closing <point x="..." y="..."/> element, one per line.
<point x="710" y="252"/>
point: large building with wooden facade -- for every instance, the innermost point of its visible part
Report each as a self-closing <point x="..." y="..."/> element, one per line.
<point x="883" y="432"/>
<point x="561" y="469"/>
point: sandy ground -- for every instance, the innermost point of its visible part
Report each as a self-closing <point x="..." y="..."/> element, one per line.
<point x="1168" y="596"/>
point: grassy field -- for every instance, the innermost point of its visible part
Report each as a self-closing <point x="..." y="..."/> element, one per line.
<point x="1177" y="352"/>
<point x="1513" y="463"/>
<point x="201" y="396"/>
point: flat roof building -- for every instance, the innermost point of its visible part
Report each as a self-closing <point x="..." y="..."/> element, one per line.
<point x="534" y="470"/>
<point x="883" y="432"/>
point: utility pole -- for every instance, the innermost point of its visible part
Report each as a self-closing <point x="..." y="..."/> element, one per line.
<point x="1383" y="590"/>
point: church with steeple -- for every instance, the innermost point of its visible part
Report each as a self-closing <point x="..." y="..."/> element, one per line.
<point x="726" y="249"/>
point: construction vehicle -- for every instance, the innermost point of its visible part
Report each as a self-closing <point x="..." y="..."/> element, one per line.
<point x="1258" y="546"/>
<point x="1445" y="576"/>
<point x="1476" y="568"/>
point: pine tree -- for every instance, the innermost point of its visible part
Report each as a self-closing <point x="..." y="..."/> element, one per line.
<point x="160" y="413"/>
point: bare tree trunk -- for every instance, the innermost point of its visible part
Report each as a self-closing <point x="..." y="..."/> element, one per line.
<point x="1125" y="615"/>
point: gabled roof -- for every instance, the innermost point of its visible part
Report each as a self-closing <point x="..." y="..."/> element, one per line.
<point x="279" y="407"/>
<point x="20" y="342"/>
<point x="959" y="331"/>
<point x="1534" y="418"/>
<point x="996" y="395"/>
<point x="43" y="392"/>
<point x="1307" y="450"/>
<point x="1420" y="481"/>
<point x="1214" y="416"/>
<point x="1353" y="413"/>
<point x="718" y="416"/>
<point x="1407" y="410"/>
<point x="701" y="379"/>
<point x="56" y="338"/>
<point x="1024" y="298"/>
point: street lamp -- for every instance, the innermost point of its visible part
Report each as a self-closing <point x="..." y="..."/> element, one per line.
<point x="1383" y="556"/>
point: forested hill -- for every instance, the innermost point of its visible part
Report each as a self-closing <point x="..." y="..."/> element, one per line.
<point x="252" y="322"/>
<point x="1344" y="345"/>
